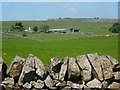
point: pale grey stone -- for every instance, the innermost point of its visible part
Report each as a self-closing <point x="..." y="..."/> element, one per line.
<point x="105" y="84"/>
<point x="117" y="75"/>
<point x="106" y="67"/>
<point x="15" y="67"/>
<point x="27" y="85"/>
<point x="84" y="64"/>
<point x="63" y="70"/>
<point x="96" y="65"/>
<point x="65" y="88"/>
<point x="8" y="82"/>
<point x="113" y="60"/>
<point x="75" y="85"/>
<point x="54" y="67"/>
<point x="39" y="84"/>
<point x="114" y="85"/>
<point x="28" y="71"/>
<point x="40" y="68"/>
<point x="73" y="70"/>
<point x="95" y="83"/>
<point x="61" y="84"/>
<point x="49" y="82"/>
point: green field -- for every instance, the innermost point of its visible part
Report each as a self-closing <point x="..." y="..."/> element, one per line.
<point x="61" y="45"/>
<point x="99" y="26"/>
<point x="61" y="48"/>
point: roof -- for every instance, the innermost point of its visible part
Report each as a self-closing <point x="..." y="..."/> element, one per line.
<point x="62" y="29"/>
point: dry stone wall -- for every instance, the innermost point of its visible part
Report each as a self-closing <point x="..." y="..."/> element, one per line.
<point x="81" y="72"/>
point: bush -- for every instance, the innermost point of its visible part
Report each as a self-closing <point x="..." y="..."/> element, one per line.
<point x="115" y="28"/>
<point x="35" y="28"/>
<point x="45" y="28"/>
<point x="24" y="35"/>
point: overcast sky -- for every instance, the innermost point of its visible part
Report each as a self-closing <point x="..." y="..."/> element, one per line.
<point x="12" y="11"/>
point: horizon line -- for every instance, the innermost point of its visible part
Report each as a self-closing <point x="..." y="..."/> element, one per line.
<point x="57" y="18"/>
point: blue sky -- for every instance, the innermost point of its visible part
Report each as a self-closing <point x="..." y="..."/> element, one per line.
<point x="12" y="11"/>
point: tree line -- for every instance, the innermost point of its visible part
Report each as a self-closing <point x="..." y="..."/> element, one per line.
<point x="19" y="27"/>
<point x="115" y="28"/>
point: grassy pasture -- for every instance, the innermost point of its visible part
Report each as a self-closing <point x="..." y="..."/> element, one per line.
<point x="89" y="25"/>
<point x="53" y="36"/>
<point x="62" y="48"/>
<point x="60" y="44"/>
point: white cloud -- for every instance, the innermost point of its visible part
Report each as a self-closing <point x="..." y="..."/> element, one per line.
<point x="73" y="10"/>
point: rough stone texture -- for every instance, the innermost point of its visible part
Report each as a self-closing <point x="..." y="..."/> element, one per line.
<point x="113" y="60"/>
<point x="73" y="70"/>
<point x="39" y="84"/>
<point x="40" y="68"/>
<point x="9" y="82"/>
<point x="117" y="75"/>
<point x="116" y="67"/>
<point x="61" y="84"/>
<point x="83" y="72"/>
<point x="75" y="85"/>
<point x="63" y="70"/>
<point x="49" y="82"/>
<point x="105" y="84"/>
<point x="27" y="85"/>
<point x="107" y="67"/>
<point x="96" y="65"/>
<point x="55" y="65"/>
<point x="65" y="88"/>
<point x="3" y="68"/>
<point x="28" y="71"/>
<point x="86" y="87"/>
<point x="16" y="67"/>
<point x="95" y="83"/>
<point x="85" y="66"/>
<point x="114" y="85"/>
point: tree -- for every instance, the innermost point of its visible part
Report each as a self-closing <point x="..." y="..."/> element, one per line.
<point x="45" y="28"/>
<point x="60" y="18"/>
<point x="115" y="28"/>
<point x="12" y="28"/>
<point x="97" y="17"/>
<point x="18" y="26"/>
<point x="35" y="28"/>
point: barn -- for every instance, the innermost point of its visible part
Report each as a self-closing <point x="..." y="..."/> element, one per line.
<point x="64" y="30"/>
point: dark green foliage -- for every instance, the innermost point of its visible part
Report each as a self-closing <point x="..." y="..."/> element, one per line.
<point x="115" y="28"/>
<point x="24" y="35"/>
<point x="35" y="28"/>
<point x="45" y="28"/>
<point x="12" y="27"/>
<point x="60" y="18"/>
<point x="17" y="26"/>
<point x="96" y="17"/>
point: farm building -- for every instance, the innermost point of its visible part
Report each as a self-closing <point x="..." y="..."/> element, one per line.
<point x="64" y="30"/>
<point x="29" y="30"/>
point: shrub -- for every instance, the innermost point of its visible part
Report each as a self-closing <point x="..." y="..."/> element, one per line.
<point x="115" y="28"/>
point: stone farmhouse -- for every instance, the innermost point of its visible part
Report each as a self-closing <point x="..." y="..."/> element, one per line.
<point x="64" y="30"/>
<point x="61" y="31"/>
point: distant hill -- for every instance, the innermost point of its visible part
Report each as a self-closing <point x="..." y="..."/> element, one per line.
<point x="85" y="20"/>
